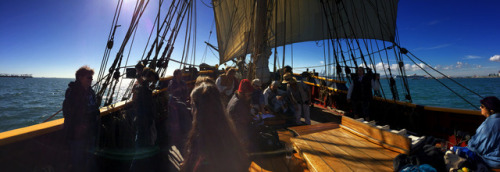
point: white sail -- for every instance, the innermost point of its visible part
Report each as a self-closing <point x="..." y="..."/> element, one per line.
<point x="306" y="20"/>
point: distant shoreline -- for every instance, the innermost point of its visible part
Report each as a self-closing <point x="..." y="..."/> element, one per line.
<point x="16" y="75"/>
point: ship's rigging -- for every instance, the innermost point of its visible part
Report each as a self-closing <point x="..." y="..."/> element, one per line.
<point x="354" y="34"/>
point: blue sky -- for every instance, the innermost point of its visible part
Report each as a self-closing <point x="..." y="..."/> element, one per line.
<point x="53" y="38"/>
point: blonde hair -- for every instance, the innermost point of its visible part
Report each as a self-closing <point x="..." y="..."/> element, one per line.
<point x="202" y="79"/>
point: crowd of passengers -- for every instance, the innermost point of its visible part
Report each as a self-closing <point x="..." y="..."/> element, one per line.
<point x="216" y="135"/>
<point x="226" y="107"/>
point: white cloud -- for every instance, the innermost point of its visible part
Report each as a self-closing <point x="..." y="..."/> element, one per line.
<point x="321" y="62"/>
<point x="416" y="67"/>
<point x="394" y="66"/>
<point x="472" y="57"/>
<point x="460" y="65"/>
<point x="434" y="47"/>
<point x="380" y="67"/>
<point x="495" y="58"/>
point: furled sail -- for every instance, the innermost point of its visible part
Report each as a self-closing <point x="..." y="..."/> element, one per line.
<point x="306" y="20"/>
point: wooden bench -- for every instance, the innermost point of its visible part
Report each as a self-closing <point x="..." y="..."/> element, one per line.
<point x="355" y="146"/>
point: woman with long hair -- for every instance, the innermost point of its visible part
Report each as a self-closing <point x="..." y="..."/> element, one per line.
<point x="212" y="142"/>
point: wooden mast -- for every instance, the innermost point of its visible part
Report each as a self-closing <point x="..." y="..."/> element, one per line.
<point x="259" y="68"/>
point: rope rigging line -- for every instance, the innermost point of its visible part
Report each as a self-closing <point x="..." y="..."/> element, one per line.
<point x="353" y="33"/>
<point x="140" y="6"/>
<point x="126" y="63"/>
<point x="275" y="35"/>
<point x="166" y="22"/>
<point x="176" y="28"/>
<point x="441" y="73"/>
<point x="444" y="84"/>
<point x="349" y="46"/>
<point x="109" y="44"/>
<point x="369" y="26"/>
<point x="339" y="71"/>
<point x="204" y="57"/>
<point x="187" y="39"/>
<point x="119" y="58"/>
<point x="167" y="52"/>
<point x="192" y="32"/>
<point x="391" y="80"/>
<point x="195" y="35"/>
<point x="284" y="33"/>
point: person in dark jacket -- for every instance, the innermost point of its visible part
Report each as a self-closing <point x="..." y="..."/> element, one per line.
<point x="81" y="119"/>
<point x="177" y="87"/>
<point x="360" y="93"/>
<point x="145" y="113"/>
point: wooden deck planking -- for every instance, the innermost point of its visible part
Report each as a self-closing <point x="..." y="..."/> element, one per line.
<point x="278" y="163"/>
<point x="360" y="143"/>
<point x="341" y="150"/>
<point x="298" y="164"/>
<point x="343" y="154"/>
<point x="382" y="156"/>
<point x="384" y="138"/>
<point x="358" y="152"/>
<point x="254" y="167"/>
<point x="308" y="129"/>
<point x="321" y="162"/>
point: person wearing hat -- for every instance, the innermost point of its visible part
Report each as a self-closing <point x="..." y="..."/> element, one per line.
<point x="486" y="141"/>
<point x="257" y="97"/>
<point x="301" y="98"/>
<point x="483" y="147"/>
<point x="238" y="109"/>
<point x="286" y="77"/>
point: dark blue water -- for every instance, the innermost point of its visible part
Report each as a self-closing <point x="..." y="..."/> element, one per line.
<point x="29" y="101"/>
<point x="25" y="102"/>
<point x="430" y="92"/>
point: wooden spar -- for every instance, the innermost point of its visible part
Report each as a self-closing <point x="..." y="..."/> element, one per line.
<point x="212" y="46"/>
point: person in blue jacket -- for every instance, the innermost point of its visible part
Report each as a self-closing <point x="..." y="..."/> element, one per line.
<point x="486" y="141"/>
<point x="484" y="146"/>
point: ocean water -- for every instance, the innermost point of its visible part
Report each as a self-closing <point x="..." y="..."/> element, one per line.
<point x="29" y="101"/>
<point x="25" y="102"/>
<point x="430" y="92"/>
